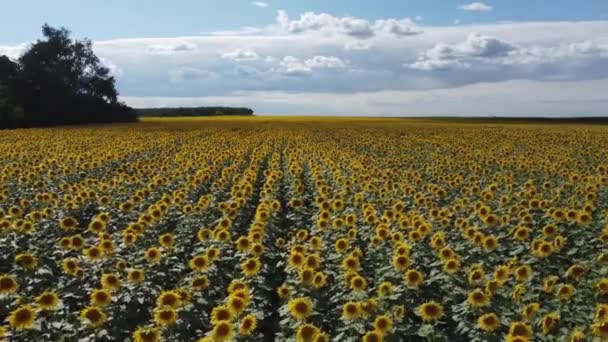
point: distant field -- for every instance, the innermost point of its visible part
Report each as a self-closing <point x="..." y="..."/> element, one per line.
<point x="305" y="229"/>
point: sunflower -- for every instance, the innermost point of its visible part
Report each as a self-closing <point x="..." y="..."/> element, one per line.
<point x="565" y="292"/>
<point x="518" y="292"/>
<point x="166" y="240"/>
<point x="350" y="311"/>
<point x="136" y="275"/>
<point x="27" y="261"/>
<point x="373" y="336"/>
<point x="92" y="253"/>
<point x="600" y="329"/>
<point x="283" y="291"/>
<point x="77" y="242"/>
<point x="549" y="322"/>
<point x="475" y="276"/>
<point x="100" y="297"/>
<point x="199" y="263"/>
<point x="478" y="298"/>
<point x="97" y="226"/>
<point x="69" y="266"/>
<point x="523" y="273"/>
<point x="351" y="263"/>
<point x="451" y="266"/>
<point x="222" y="331"/>
<point x="583" y="218"/>
<point x="170" y="299"/>
<point x="358" y="283"/>
<point x="153" y="255"/>
<point x="490" y="243"/>
<point x="93" y="316"/>
<point x="296" y="260"/>
<point x="22" y="318"/>
<point x="236" y="304"/>
<point x="300" y="308"/>
<point x="430" y="311"/>
<point x="248" y="325"/>
<point x="319" y="280"/>
<point x="341" y="245"/>
<point x="48" y="300"/>
<point x="147" y="334"/>
<point x="530" y="310"/>
<point x="576" y="272"/>
<point x="306" y="333"/>
<point x="220" y="313"/>
<point x="68" y="223"/>
<point x="8" y="284"/>
<point x="521" y="329"/>
<point x="251" y="267"/>
<point x="385" y="289"/>
<point x="213" y="254"/>
<point x="577" y="335"/>
<point x="549" y="283"/>
<point x="257" y="249"/>
<point x="601" y="286"/>
<point x="110" y="281"/>
<point x="384" y="324"/>
<point x="165" y="316"/>
<point x="401" y="262"/>
<point x="414" y="278"/>
<point x="488" y="322"/>
<point x="200" y="283"/>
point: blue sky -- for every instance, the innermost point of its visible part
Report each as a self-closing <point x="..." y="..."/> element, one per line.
<point x="341" y="57"/>
<point x="110" y="19"/>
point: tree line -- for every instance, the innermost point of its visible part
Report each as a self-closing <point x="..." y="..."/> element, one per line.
<point x="194" y="111"/>
<point x="58" y="81"/>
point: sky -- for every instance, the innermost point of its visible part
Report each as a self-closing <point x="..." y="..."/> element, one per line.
<point x="341" y="57"/>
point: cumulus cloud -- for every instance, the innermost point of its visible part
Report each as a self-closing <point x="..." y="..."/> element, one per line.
<point x="350" y="26"/>
<point x="241" y="55"/>
<point x="14" y="52"/>
<point x="480" y="51"/>
<point x="476" y="7"/>
<point x="294" y="66"/>
<point x="331" y="60"/>
<point x="260" y="4"/>
<point x="463" y="55"/>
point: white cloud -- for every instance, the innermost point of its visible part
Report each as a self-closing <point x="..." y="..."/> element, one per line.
<point x="479" y="49"/>
<point x="14" y="52"/>
<point x="260" y="4"/>
<point x="171" y="47"/>
<point x="357" y="45"/>
<point x="294" y="66"/>
<point x="334" y="64"/>
<point x="510" y="98"/>
<point x="419" y="18"/>
<point x="354" y="27"/>
<point x="241" y="55"/>
<point x="115" y="70"/>
<point x="477" y="7"/>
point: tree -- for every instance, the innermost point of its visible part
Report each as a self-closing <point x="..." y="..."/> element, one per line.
<point x="61" y="81"/>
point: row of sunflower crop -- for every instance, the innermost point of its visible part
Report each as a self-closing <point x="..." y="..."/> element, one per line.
<point x="304" y="230"/>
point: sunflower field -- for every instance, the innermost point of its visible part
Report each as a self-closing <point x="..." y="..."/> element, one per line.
<point x="296" y="229"/>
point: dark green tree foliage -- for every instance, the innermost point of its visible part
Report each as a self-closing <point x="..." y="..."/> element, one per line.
<point x="60" y="81"/>
<point x="195" y="111"/>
